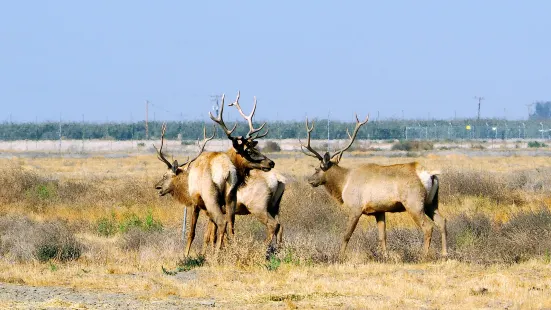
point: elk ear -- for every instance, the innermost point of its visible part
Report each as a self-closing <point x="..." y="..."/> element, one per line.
<point x="252" y="144"/>
<point x="326" y="157"/>
<point x="238" y="145"/>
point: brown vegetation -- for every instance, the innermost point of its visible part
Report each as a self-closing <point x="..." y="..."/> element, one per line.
<point x="498" y="244"/>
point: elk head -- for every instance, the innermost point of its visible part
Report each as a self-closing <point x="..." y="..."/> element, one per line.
<point x="327" y="160"/>
<point x="166" y="184"/>
<point x="245" y="146"/>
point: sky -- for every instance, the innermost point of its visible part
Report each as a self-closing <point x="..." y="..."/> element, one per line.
<point x="101" y="60"/>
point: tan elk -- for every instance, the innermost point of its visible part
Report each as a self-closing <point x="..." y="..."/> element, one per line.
<point x="260" y="196"/>
<point x="212" y="184"/>
<point x="372" y="189"/>
<point x="214" y="177"/>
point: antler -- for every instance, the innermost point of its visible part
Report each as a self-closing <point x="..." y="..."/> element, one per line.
<point x="352" y="137"/>
<point x="160" y="155"/>
<point x="308" y="147"/>
<point x="220" y="121"/>
<point x="252" y="134"/>
<point x="201" y="145"/>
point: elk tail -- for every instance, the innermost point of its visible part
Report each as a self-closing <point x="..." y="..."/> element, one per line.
<point x="434" y="188"/>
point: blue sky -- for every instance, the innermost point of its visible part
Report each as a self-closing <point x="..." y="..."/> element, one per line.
<point x="103" y="59"/>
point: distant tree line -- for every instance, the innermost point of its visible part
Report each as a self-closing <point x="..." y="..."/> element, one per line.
<point x="542" y="110"/>
<point x="379" y="130"/>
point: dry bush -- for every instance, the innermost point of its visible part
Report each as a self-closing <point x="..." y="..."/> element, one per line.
<point x="271" y="147"/>
<point x="498" y="187"/>
<point x="24" y="240"/>
<point x="413" y="146"/>
<point x="38" y="190"/>
<point x="477" y="239"/>
<point x="136" y="238"/>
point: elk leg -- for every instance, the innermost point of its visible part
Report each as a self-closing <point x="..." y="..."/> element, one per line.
<point x="231" y="201"/>
<point x="353" y="219"/>
<point x="432" y="211"/>
<point x="215" y="214"/>
<point x="422" y="220"/>
<point x="440" y="222"/>
<point x="270" y="223"/>
<point x="273" y="228"/>
<point x="191" y="232"/>
<point x="209" y="236"/>
<point x="381" y="225"/>
<point x="279" y="231"/>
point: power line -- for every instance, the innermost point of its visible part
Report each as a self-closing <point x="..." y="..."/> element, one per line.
<point x="479" y="100"/>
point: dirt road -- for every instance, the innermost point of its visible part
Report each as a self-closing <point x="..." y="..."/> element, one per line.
<point x="13" y="296"/>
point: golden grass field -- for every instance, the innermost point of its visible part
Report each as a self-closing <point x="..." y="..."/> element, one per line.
<point x="81" y="199"/>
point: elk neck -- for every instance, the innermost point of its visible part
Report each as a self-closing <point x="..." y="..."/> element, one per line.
<point x="335" y="179"/>
<point x="240" y="164"/>
<point x="180" y="189"/>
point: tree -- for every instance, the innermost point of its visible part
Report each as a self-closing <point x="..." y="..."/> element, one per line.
<point x="542" y="111"/>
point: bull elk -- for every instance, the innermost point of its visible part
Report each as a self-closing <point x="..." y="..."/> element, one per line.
<point x="260" y="196"/>
<point x="243" y="154"/>
<point x="214" y="177"/>
<point x="372" y="189"/>
<point x="210" y="182"/>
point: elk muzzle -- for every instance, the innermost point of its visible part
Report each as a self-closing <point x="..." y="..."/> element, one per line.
<point x="267" y="165"/>
<point x="314" y="180"/>
<point x="163" y="190"/>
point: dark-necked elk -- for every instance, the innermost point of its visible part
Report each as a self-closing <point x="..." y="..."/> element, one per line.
<point x="260" y="196"/>
<point x="214" y="177"/>
<point x="243" y="154"/>
<point x="372" y="189"/>
<point x="212" y="184"/>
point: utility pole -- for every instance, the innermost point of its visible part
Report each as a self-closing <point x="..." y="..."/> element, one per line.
<point x="328" y="116"/>
<point x="479" y="100"/>
<point x="36" y="125"/>
<point x="82" y="150"/>
<point x="146" y="119"/>
<point x="132" y="135"/>
<point x="215" y="99"/>
<point x="60" y="133"/>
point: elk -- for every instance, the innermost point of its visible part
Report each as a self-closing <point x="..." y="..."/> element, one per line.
<point x="260" y="195"/>
<point x="372" y="189"/>
<point x="210" y="182"/>
<point x="214" y="177"/>
<point x="243" y="154"/>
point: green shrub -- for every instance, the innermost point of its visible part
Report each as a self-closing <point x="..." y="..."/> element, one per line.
<point x="151" y="224"/>
<point x="186" y="264"/>
<point x="129" y="221"/>
<point x="536" y="144"/>
<point x="106" y="226"/>
<point x="273" y="263"/>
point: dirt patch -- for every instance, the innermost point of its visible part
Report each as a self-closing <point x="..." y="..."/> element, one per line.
<point x="21" y="296"/>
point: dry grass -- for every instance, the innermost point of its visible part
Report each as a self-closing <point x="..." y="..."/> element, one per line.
<point x="497" y="211"/>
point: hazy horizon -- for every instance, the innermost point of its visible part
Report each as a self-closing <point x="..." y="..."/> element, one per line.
<point x="412" y="60"/>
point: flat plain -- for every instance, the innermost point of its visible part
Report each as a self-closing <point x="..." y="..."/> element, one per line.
<point x="91" y="232"/>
